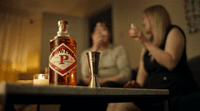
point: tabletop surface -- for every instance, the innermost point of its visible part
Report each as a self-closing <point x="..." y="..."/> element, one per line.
<point x="13" y="88"/>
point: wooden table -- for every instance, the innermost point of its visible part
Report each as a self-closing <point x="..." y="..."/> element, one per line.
<point x="12" y="93"/>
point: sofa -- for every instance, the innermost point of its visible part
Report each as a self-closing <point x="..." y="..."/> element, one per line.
<point x="194" y="64"/>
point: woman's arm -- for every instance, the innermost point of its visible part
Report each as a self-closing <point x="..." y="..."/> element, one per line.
<point x="115" y="78"/>
<point x="84" y="64"/>
<point x="170" y="56"/>
<point x="123" y="66"/>
<point x="84" y="67"/>
<point x="142" y="74"/>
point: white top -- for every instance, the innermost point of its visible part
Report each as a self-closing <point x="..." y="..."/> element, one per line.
<point x="112" y="62"/>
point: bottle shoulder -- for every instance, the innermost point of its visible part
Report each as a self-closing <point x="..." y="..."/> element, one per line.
<point x="63" y="38"/>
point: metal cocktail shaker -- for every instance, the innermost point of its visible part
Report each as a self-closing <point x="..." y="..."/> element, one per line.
<point x="93" y="62"/>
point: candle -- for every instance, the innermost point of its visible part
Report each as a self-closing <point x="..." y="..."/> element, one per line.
<point x="41" y="79"/>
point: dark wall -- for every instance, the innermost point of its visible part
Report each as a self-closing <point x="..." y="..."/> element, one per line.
<point x="103" y="16"/>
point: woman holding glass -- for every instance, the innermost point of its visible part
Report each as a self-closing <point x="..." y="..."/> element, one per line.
<point x="114" y="66"/>
<point x="163" y="64"/>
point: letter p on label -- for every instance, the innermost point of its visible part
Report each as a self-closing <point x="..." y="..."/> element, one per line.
<point x="62" y="58"/>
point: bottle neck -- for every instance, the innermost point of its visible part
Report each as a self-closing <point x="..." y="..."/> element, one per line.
<point x="63" y="30"/>
<point x="61" y="33"/>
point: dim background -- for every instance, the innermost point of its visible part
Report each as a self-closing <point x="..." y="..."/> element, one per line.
<point x="26" y="27"/>
<point x="39" y="25"/>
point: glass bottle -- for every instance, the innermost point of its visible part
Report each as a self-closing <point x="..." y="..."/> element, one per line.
<point x="62" y="58"/>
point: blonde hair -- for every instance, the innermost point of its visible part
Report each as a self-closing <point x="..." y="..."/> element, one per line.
<point x="161" y="21"/>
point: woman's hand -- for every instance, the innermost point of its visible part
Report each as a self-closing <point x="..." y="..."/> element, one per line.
<point x="136" y="34"/>
<point x="132" y="84"/>
<point x="86" y="79"/>
<point x="97" y="39"/>
<point x="102" y="81"/>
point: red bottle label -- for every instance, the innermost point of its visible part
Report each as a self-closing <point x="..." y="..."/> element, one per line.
<point x="62" y="60"/>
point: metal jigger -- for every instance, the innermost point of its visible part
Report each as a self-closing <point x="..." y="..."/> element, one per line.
<point x="93" y="61"/>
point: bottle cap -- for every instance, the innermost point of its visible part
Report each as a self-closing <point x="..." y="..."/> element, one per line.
<point x="62" y="24"/>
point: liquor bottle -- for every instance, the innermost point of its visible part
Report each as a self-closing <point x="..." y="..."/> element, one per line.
<point x="62" y="58"/>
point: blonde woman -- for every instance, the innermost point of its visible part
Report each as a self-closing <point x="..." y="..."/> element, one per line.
<point x="163" y="64"/>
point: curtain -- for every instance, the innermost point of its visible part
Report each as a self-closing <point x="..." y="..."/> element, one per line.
<point x="14" y="48"/>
